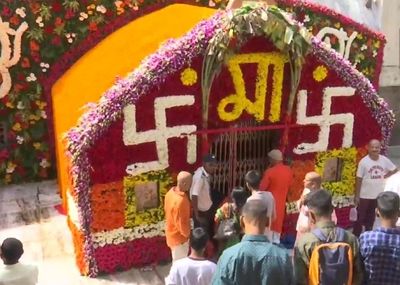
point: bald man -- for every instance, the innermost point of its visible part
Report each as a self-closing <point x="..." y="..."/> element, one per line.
<point x="312" y="182"/>
<point x="177" y="216"/>
<point x="372" y="171"/>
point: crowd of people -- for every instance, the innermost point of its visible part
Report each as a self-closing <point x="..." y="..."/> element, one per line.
<point x="246" y="228"/>
<point x="238" y="241"/>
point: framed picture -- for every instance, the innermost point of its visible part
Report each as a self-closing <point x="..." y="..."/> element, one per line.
<point x="333" y="170"/>
<point x="147" y="196"/>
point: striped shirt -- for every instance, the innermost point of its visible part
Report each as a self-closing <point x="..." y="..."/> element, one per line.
<point x="380" y="250"/>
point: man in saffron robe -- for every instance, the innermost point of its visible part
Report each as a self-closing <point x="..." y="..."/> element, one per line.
<point x="277" y="180"/>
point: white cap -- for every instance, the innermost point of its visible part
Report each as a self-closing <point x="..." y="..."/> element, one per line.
<point x="275" y="154"/>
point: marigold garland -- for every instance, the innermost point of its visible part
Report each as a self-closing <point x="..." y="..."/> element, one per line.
<point x="240" y="101"/>
<point x="345" y="186"/>
<point x="150" y="216"/>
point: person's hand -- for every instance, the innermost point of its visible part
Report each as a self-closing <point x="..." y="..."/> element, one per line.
<point x="356" y="200"/>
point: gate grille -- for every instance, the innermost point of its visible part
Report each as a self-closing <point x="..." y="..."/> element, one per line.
<point x="240" y="151"/>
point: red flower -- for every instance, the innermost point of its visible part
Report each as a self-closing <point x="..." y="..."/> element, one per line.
<point x="69" y="14"/>
<point x="57" y="7"/>
<point x="6" y="11"/>
<point x="56" y="40"/>
<point x="35" y="56"/>
<point x="3" y="154"/>
<point x="20" y="77"/>
<point x="49" y="29"/>
<point x="92" y="26"/>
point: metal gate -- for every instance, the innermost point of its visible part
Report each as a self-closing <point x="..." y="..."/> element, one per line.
<point x="240" y="151"/>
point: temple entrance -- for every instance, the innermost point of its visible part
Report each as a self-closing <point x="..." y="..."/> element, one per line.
<point x="240" y="151"/>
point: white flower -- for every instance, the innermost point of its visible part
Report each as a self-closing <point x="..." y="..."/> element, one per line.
<point x="21" y="12"/>
<point x="306" y="19"/>
<point x="20" y="139"/>
<point x="101" y="9"/>
<point x="20" y="105"/>
<point x="374" y="53"/>
<point x="83" y="16"/>
<point x="39" y="21"/>
<point x="364" y="47"/>
<point x="44" y="163"/>
<point x="31" y="77"/>
<point x="43" y="114"/>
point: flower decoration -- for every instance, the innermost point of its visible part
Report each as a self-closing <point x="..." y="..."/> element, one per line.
<point x="189" y="76"/>
<point x="320" y="73"/>
<point x="108" y="205"/>
<point x="316" y="17"/>
<point x="346" y="185"/>
<point x="153" y="72"/>
<point x="122" y="235"/>
<point x="149" y="216"/>
<point x="55" y="35"/>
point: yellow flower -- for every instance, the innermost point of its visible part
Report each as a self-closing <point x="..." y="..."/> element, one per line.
<point x="346" y="185"/>
<point x="377" y="44"/>
<point x="10" y="105"/>
<point x="189" y="77"/>
<point x="34" y="117"/>
<point x="240" y="101"/>
<point x="41" y="104"/>
<point x="320" y="73"/>
<point x="17" y="127"/>
<point x="37" y="145"/>
<point x="10" y="167"/>
<point x="337" y="25"/>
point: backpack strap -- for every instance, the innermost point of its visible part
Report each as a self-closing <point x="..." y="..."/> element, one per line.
<point x="339" y="234"/>
<point x="319" y="234"/>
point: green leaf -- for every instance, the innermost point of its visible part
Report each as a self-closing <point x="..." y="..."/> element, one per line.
<point x="71" y="4"/>
<point x="35" y="34"/>
<point x="45" y="12"/>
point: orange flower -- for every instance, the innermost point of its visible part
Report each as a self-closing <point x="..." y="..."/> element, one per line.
<point x="34" y="46"/>
<point x="92" y="26"/>
<point x="35" y="7"/>
<point x="25" y="63"/>
<point x="58" y="22"/>
<point x="108" y="206"/>
<point x="15" y="20"/>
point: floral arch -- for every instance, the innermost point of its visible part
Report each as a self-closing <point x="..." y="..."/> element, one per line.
<point x="127" y="145"/>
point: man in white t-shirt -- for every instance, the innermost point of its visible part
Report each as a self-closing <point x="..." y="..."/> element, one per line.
<point x="200" y="195"/>
<point x="393" y="185"/>
<point x="253" y="179"/>
<point x="194" y="269"/>
<point x="13" y="272"/>
<point x="372" y="171"/>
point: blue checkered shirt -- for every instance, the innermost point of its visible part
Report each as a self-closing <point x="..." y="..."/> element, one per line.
<point x="380" y="250"/>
